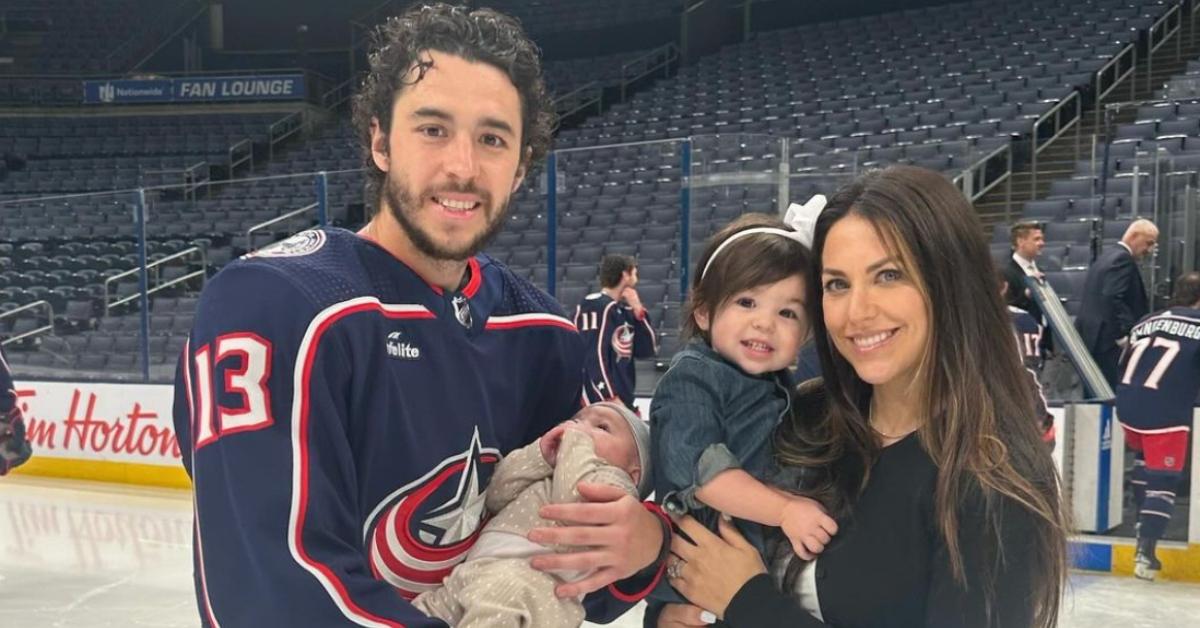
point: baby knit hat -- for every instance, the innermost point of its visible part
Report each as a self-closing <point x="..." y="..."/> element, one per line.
<point x="641" y="436"/>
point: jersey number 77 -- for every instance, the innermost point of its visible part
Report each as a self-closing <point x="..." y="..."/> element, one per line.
<point x="1164" y="361"/>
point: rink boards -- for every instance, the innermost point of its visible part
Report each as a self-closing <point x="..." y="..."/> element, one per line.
<point x="105" y="432"/>
<point x="123" y="433"/>
<point x="1091" y="452"/>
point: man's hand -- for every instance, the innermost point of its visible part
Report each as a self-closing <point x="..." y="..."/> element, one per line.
<point x="614" y="534"/>
<point x="631" y="298"/>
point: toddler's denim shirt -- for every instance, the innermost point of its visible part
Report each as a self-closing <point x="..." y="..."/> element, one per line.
<point x="708" y="416"/>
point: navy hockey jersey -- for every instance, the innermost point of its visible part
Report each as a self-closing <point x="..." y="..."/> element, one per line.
<point x="14" y="446"/>
<point x="1160" y="371"/>
<point x="612" y="336"/>
<point x="8" y="390"/>
<point x="341" y="418"/>
<point x="1029" y="337"/>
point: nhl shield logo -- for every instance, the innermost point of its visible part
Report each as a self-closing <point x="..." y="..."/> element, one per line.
<point x="421" y="531"/>
<point x="462" y="310"/>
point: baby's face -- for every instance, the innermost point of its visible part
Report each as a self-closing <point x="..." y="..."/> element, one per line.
<point x="611" y="434"/>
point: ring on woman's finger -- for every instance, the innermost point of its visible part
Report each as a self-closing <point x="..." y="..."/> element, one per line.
<point x="675" y="568"/>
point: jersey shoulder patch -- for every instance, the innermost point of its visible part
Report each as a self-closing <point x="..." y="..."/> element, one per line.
<point x="298" y="245"/>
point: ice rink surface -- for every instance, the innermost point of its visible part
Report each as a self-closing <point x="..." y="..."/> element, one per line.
<point x="98" y="555"/>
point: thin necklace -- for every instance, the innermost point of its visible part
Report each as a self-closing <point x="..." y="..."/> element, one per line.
<point x="891" y="436"/>
<point x="871" y="413"/>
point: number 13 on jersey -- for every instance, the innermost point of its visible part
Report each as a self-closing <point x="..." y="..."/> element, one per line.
<point x="246" y="358"/>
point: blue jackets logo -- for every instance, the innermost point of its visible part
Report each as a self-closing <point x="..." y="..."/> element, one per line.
<point x="399" y="348"/>
<point x="416" y="535"/>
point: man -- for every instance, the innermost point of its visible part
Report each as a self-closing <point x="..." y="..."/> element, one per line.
<point x="1028" y="335"/>
<point x="1027" y="330"/>
<point x="1027" y="243"/>
<point x="14" y="447"/>
<point x="1114" y="297"/>
<point x="616" y="329"/>
<point x="1160" y="376"/>
<point x="344" y="398"/>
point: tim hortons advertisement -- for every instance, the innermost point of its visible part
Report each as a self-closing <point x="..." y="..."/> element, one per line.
<point x="103" y="422"/>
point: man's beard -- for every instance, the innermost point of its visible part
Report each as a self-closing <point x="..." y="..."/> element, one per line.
<point x="400" y="202"/>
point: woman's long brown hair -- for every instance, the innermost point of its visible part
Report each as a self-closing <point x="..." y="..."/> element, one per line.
<point x="980" y="428"/>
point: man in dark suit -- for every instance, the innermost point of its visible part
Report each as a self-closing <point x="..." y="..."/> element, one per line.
<point x="1027" y="242"/>
<point x="1114" y="297"/>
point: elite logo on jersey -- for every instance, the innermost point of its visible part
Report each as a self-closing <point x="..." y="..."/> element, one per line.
<point x="622" y="341"/>
<point x="420" y="532"/>
<point x="400" y="348"/>
<point x="303" y="243"/>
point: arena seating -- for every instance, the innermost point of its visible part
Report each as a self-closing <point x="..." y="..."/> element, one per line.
<point x="939" y="87"/>
<point x="82" y="154"/>
<point x="539" y="16"/>
<point x="1092" y="208"/>
<point x="80" y="38"/>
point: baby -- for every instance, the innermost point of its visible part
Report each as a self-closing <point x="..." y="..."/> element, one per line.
<point x="495" y="586"/>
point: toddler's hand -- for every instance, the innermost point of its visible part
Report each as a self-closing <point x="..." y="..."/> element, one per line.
<point x="806" y="525"/>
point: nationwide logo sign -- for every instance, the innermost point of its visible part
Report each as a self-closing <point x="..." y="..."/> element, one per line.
<point x="196" y="89"/>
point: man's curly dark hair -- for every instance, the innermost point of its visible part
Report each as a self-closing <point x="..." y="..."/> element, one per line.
<point x="479" y="35"/>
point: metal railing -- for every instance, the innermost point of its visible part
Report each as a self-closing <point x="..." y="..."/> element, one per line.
<point x="338" y="94"/>
<point x="47" y="328"/>
<point x="986" y="173"/>
<point x="241" y="153"/>
<point x="159" y="285"/>
<point x="657" y="59"/>
<point x="1160" y="33"/>
<point x="278" y="219"/>
<point x="1052" y="125"/>
<point x="1111" y="75"/>
<point x="195" y="176"/>
<point x="579" y="99"/>
<point x="282" y="129"/>
<point x="163" y="29"/>
<point x="190" y="177"/>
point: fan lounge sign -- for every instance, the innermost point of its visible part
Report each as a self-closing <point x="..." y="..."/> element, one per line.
<point x="207" y="89"/>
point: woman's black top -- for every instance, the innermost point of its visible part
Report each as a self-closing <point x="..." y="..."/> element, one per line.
<point x="888" y="566"/>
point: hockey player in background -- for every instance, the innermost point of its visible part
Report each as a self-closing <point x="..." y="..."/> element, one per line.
<point x="14" y="447"/>
<point x="1028" y="334"/>
<point x="1160" y="376"/>
<point x="616" y="329"/>
<point x="344" y="398"/>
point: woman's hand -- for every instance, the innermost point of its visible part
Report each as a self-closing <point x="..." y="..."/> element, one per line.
<point x="684" y="616"/>
<point x="713" y="570"/>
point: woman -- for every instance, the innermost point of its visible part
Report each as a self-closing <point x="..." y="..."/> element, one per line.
<point x="922" y="440"/>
